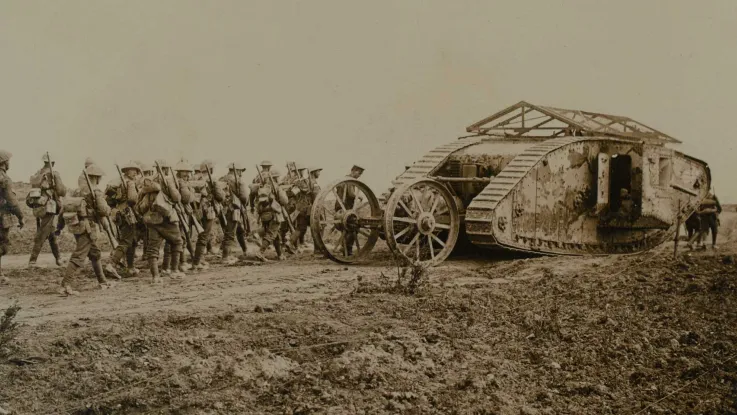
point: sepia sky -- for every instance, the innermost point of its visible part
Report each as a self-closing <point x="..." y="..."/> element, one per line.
<point x="335" y="82"/>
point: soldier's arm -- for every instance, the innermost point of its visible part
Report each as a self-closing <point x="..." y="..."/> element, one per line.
<point x="60" y="189"/>
<point x="186" y="192"/>
<point x="132" y="192"/>
<point x="174" y="194"/>
<point x="101" y="207"/>
<point x="719" y="205"/>
<point x="11" y="202"/>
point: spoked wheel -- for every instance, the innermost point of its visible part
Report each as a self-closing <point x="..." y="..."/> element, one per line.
<point x="345" y="221"/>
<point x="421" y="222"/>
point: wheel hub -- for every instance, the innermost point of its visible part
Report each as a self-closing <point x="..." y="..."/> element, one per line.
<point x="425" y="223"/>
<point x="350" y="220"/>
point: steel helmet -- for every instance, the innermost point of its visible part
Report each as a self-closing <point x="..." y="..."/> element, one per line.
<point x="197" y="168"/>
<point x="131" y="165"/>
<point x="5" y="156"/>
<point x="162" y="163"/>
<point x="93" y="170"/>
<point x="207" y="164"/>
<point x="275" y="173"/>
<point x="357" y="167"/>
<point x="145" y="167"/>
<point x="88" y="162"/>
<point x="266" y="163"/>
<point x="183" y="165"/>
<point x="46" y="158"/>
<point x="300" y="167"/>
<point x="315" y="169"/>
<point x="235" y="166"/>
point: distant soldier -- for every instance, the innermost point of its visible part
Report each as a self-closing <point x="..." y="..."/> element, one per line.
<point x="258" y="181"/>
<point x="123" y="197"/>
<point x="236" y="202"/>
<point x="142" y="234"/>
<point x="8" y="207"/>
<point x="81" y="182"/>
<point x="708" y="212"/>
<point x="310" y="189"/>
<point x="156" y="205"/>
<point x="83" y="222"/>
<point x="269" y="202"/>
<point x="182" y="171"/>
<point x="45" y="198"/>
<point x="347" y="193"/>
<point x="211" y="199"/>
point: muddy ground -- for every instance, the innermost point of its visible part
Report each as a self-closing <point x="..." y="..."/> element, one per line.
<point x="606" y="335"/>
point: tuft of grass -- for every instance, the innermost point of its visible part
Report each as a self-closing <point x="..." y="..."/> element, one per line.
<point x="8" y="327"/>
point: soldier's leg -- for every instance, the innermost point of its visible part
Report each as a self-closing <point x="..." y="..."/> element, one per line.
<point x="81" y="250"/>
<point x="95" y="256"/>
<point x="127" y="237"/>
<point x="228" y="240"/>
<point x="165" y="263"/>
<point x="203" y="241"/>
<point x="240" y="234"/>
<point x="44" y="230"/>
<point x="3" y="250"/>
<point x="153" y="245"/>
<point x="183" y="265"/>
<point x="714" y="226"/>
<point x="350" y="240"/>
<point x="278" y="241"/>
<point x="170" y="232"/>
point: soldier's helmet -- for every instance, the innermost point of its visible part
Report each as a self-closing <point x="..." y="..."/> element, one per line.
<point x="275" y="173"/>
<point x="314" y="169"/>
<point x="236" y="166"/>
<point x="300" y="167"/>
<point x="5" y="156"/>
<point x="88" y="162"/>
<point x="131" y="165"/>
<point x="183" y="165"/>
<point x="94" y="171"/>
<point x="46" y="158"/>
<point x="357" y="167"/>
<point x="145" y="167"/>
<point x="266" y="163"/>
<point x="197" y="168"/>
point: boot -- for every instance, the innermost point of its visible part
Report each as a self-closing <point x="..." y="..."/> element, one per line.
<point x="166" y="262"/>
<point x="110" y="269"/>
<point x="277" y="247"/>
<point x="227" y="259"/>
<point x="101" y="280"/>
<point x="55" y="251"/>
<point x="242" y="242"/>
<point x="175" y="272"/>
<point x="153" y="265"/>
<point x="66" y="281"/>
<point x="197" y="262"/>
<point x="260" y="255"/>
<point x="183" y="265"/>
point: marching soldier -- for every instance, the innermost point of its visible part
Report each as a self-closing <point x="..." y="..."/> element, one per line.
<point x="156" y="205"/>
<point x="8" y="207"/>
<point x="123" y="195"/>
<point x="236" y="201"/>
<point x="309" y="190"/>
<point x="81" y="182"/>
<point x="211" y="199"/>
<point x="350" y="197"/>
<point x="45" y="200"/>
<point x="182" y="171"/>
<point x="258" y="181"/>
<point x="83" y="223"/>
<point x="268" y="205"/>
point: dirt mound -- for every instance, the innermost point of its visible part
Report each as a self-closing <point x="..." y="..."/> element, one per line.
<point x="637" y="334"/>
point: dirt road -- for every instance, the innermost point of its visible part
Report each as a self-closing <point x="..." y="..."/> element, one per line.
<point x="620" y="335"/>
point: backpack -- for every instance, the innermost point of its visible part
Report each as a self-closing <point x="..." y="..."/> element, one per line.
<point x="36" y="198"/>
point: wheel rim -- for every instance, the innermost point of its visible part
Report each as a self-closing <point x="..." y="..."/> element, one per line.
<point x="421" y="222"/>
<point x="336" y="221"/>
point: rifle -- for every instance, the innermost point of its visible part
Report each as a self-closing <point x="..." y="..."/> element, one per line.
<point x="192" y="218"/>
<point x="129" y="212"/>
<point x="178" y="208"/>
<point x="215" y="204"/>
<point x="244" y="214"/>
<point x="275" y="192"/>
<point x="107" y="224"/>
<point x="52" y="180"/>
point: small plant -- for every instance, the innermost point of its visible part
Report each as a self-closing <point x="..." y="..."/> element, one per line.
<point x="8" y="327"/>
<point x="415" y="275"/>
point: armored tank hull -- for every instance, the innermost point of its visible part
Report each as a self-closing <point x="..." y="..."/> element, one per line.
<point x="578" y="191"/>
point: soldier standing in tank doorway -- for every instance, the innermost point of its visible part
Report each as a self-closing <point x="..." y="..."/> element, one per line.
<point x="45" y="198"/>
<point x="8" y="208"/>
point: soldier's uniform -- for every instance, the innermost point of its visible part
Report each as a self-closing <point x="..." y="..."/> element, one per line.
<point x="81" y="182"/>
<point x="310" y="190"/>
<point x="188" y="197"/>
<point x="261" y="179"/>
<point x="268" y="206"/>
<point x="8" y="207"/>
<point x="708" y="214"/>
<point x="81" y="220"/>
<point x="236" y="201"/>
<point x="156" y="206"/>
<point x="146" y="171"/>
<point x="45" y="199"/>
<point x="123" y="196"/>
<point x="212" y="197"/>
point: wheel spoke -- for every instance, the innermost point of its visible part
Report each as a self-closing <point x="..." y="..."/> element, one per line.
<point x="418" y="247"/>
<point x="435" y="200"/>
<point x="404" y="206"/>
<point x="364" y="232"/>
<point x="442" y="226"/>
<point x="362" y="205"/>
<point x="417" y="201"/>
<point x="406" y="248"/>
<point x="342" y="205"/>
<point x="402" y="232"/>
<point x="441" y="213"/>
<point x="429" y="244"/>
<point x="338" y="244"/>
<point x="404" y="220"/>
<point x="438" y="240"/>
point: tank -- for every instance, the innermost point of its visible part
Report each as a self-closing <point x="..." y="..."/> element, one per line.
<point x="531" y="178"/>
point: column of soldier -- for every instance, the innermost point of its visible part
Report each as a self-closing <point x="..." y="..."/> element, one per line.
<point x="161" y="204"/>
